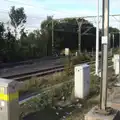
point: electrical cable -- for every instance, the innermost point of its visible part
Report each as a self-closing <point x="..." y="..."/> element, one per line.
<point x="45" y="8"/>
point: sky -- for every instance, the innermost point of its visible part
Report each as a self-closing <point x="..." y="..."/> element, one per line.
<point x="37" y="10"/>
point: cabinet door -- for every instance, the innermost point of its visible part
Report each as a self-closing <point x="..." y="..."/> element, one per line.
<point x="86" y="81"/>
<point x="3" y="116"/>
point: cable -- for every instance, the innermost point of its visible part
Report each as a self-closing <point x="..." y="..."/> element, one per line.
<point x="36" y="6"/>
<point x="5" y="11"/>
<point x="87" y="30"/>
<point x="115" y="18"/>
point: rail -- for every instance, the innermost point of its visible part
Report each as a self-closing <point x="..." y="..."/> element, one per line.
<point x="27" y="62"/>
<point x="42" y="72"/>
<point x="35" y="94"/>
<point x="24" y="76"/>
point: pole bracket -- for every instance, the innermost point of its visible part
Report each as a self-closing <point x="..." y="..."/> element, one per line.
<point x="107" y="111"/>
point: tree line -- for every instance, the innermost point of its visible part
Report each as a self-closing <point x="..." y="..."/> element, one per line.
<point x="17" y="44"/>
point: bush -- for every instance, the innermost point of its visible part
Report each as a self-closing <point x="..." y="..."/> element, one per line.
<point x="71" y="62"/>
<point x="47" y="98"/>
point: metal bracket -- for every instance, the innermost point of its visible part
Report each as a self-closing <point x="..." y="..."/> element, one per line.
<point x="108" y="111"/>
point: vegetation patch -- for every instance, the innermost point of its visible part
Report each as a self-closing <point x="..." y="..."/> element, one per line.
<point x="51" y="96"/>
<point x="47" y="97"/>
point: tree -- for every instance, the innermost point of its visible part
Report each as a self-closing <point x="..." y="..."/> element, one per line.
<point x="2" y="40"/>
<point x="18" y="18"/>
<point x="2" y="29"/>
<point x="115" y="32"/>
<point x="66" y="33"/>
<point x="46" y="33"/>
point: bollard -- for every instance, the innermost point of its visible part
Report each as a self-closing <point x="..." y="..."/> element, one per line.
<point x="67" y="51"/>
<point x="114" y="60"/>
<point x="9" y="103"/>
<point x="116" y="64"/>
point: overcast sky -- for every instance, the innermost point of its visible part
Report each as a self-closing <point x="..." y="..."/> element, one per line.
<point x="37" y="10"/>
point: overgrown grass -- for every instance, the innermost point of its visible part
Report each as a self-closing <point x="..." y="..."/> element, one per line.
<point x="54" y="94"/>
<point x="71" y="62"/>
<point x="35" y="84"/>
<point x="47" y="98"/>
<point x="116" y="51"/>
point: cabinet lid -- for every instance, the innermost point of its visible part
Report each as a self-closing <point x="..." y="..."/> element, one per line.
<point x="82" y="66"/>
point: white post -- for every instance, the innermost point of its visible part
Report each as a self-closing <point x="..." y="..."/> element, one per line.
<point x="97" y="42"/>
<point x="113" y="41"/>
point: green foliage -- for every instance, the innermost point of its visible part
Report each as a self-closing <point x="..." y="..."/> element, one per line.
<point x="46" y="98"/>
<point x="38" y="43"/>
<point x="94" y="85"/>
<point x="2" y="29"/>
<point x="111" y="30"/>
<point x="68" y="67"/>
<point x="116" y="51"/>
<point x="81" y="58"/>
<point x="17" y="17"/>
<point x="70" y="63"/>
<point x="50" y="96"/>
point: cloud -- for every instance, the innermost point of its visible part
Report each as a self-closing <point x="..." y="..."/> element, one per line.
<point x="37" y="10"/>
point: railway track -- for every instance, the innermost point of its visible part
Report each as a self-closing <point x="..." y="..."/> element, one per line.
<point x="42" y="72"/>
<point x="27" y="62"/>
<point x="27" y="97"/>
<point x="22" y="77"/>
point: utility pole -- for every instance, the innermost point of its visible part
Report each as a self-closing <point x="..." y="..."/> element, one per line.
<point x="119" y="35"/>
<point x="105" y="54"/>
<point x="101" y="62"/>
<point x="97" y="42"/>
<point x="52" y="37"/>
<point x="79" y="37"/>
<point x="79" y="34"/>
<point x="119" y="54"/>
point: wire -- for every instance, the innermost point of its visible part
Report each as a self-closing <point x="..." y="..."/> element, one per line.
<point x="5" y="11"/>
<point x="87" y="30"/>
<point x="89" y="34"/>
<point x="115" y="32"/>
<point x="43" y="17"/>
<point x="36" y="6"/>
<point x="99" y="20"/>
<point x="115" y="18"/>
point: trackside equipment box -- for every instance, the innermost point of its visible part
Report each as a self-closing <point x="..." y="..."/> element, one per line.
<point x="9" y="104"/>
<point x="82" y="80"/>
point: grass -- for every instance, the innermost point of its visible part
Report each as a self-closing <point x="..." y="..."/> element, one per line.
<point x="33" y="105"/>
<point x="77" y="114"/>
<point x="93" y="99"/>
<point x="36" y="84"/>
<point x="47" y="97"/>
